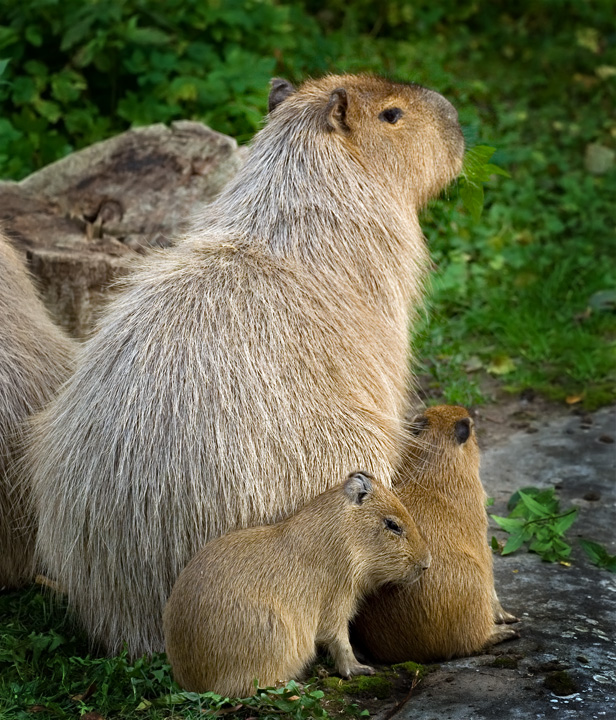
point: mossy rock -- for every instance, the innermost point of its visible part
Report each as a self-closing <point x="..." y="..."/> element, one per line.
<point x="561" y="683"/>
<point x="414" y="669"/>
<point x="362" y="686"/>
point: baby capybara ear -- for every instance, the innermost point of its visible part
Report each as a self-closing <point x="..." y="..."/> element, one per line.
<point x="462" y="430"/>
<point x="357" y="486"/>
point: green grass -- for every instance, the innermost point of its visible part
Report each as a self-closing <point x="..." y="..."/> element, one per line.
<point x="47" y="671"/>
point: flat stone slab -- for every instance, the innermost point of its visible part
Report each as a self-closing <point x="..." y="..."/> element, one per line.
<point x="564" y="664"/>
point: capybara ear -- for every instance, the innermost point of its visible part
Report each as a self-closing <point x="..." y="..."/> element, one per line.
<point x="357" y="486"/>
<point x="418" y="424"/>
<point x="462" y="430"/>
<point x="279" y="90"/>
<point x="337" y="111"/>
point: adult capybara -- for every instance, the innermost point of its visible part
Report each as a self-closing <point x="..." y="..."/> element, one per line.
<point x="453" y="609"/>
<point x="263" y="355"/>
<point x="253" y="605"/>
<point x="35" y="358"/>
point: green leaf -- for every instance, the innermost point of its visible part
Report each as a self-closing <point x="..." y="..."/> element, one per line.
<point x="147" y="36"/>
<point x="475" y="172"/>
<point x="77" y="32"/>
<point x="33" y="35"/>
<point x="24" y="90"/>
<point x="564" y="523"/>
<point x="595" y="552"/>
<point x="540" y="547"/>
<point x="515" y="498"/>
<point x="496" y="170"/>
<point x="508" y="524"/>
<point x="477" y="156"/>
<point x="599" y="555"/>
<point x="48" y="109"/>
<point x="472" y="198"/>
<point x="67" y="86"/>
<point x="513" y="543"/>
<point x="535" y="507"/>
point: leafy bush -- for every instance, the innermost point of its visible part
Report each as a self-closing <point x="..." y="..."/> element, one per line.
<point x="81" y="71"/>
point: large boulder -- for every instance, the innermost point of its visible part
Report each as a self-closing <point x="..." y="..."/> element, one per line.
<point x="83" y="219"/>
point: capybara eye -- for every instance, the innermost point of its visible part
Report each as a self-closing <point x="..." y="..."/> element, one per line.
<point x="463" y="430"/>
<point x="391" y="115"/>
<point x="393" y="526"/>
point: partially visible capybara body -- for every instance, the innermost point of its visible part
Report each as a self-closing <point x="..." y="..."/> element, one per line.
<point x="35" y="358"/>
<point x="243" y="369"/>
<point x="453" y="608"/>
<point x="253" y="605"/>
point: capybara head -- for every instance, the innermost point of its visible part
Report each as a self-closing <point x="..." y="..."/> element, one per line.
<point x="405" y="136"/>
<point x="446" y="444"/>
<point x="388" y="545"/>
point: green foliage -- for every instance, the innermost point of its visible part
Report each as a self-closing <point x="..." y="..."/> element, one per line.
<point x="598" y="555"/>
<point x="475" y="172"/>
<point x="76" y="72"/>
<point x="524" y="293"/>
<point x="46" y="667"/>
<point x="535" y="519"/>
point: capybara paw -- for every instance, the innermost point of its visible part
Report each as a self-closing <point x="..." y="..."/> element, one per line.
<point x="500" y="634"/>
<point x="358" y="670"/>
<point x="502" y="617"/>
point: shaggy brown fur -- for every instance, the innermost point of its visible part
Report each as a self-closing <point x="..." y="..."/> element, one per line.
<point x="452" y="610"/>
<point x="253" y="604"/>
<point x="35" y="358"/>
<point x="243" y="369"/>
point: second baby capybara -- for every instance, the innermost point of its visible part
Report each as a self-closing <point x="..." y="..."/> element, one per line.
<point x="452" y="610"/>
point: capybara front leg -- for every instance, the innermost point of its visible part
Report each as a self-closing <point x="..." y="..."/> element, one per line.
<point x="344" y="657"/>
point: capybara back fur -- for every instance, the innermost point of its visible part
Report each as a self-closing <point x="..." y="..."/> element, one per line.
<point x="263" y="355"/>
<point x="35" y="358"/>
<point x="253" y="604"/>
<point x="451" y="611"/>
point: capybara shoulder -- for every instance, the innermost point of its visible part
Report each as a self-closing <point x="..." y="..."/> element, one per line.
<point x="451" y="611"/>
<point x="253" y="604"/>
<point x="263" y="355"/>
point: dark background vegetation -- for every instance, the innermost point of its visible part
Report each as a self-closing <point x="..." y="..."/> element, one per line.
<point x="526" y="294"/>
